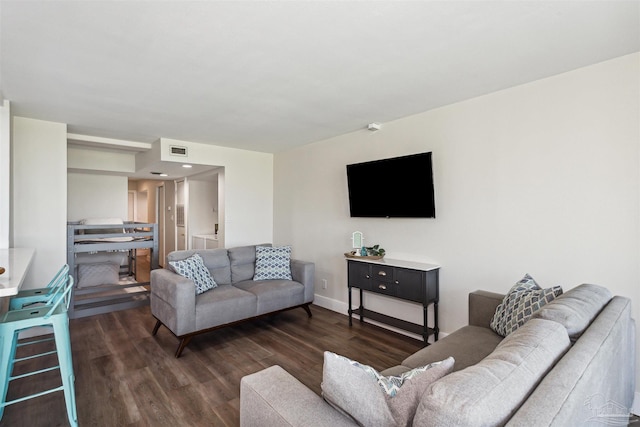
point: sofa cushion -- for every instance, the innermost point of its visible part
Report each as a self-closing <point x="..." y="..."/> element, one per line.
<point x="576" y="308"/>
<point x="217" y="261"/>
<point x="522" y="300"/>
<point x="370" y="398"/>
<point x="224" y="304"/>
<point x="468" y="345"/>
<point x="193" y="268"/>
<point x="274" y="295"/>
<point x="243" y="263"/>
<point x="494" y="388"/>
<point x="273" y="263"/>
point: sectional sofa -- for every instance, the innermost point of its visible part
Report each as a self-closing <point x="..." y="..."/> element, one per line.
<point x="572" y="363"/>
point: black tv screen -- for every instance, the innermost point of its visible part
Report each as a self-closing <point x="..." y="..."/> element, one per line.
<point x="400" y="187"/>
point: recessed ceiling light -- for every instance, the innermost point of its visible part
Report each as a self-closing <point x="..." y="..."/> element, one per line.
<point x="164" y="174"/>
<point x="187" y="166"/>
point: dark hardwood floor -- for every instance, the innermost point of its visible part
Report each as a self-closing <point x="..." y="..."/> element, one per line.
<point x="126" y="377"/>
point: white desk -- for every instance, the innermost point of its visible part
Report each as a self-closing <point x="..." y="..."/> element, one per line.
<point x="16" y="262"/>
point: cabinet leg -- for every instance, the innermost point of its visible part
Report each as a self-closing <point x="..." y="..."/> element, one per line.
<point x="349" y="311"/>
<point x="361" y="308"/>
<point x="436" y="330"/>
<point x="425" y="325"/>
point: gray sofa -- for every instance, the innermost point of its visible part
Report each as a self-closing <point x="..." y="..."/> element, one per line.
<point x="236" y="298"/>
<point x="572" y="364"/>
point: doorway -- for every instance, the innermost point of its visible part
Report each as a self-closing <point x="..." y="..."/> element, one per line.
<point x="161" y="207"/>
<point x="182" y="203"/>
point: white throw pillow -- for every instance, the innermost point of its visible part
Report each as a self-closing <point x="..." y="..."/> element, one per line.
<point x="371" y="399"/>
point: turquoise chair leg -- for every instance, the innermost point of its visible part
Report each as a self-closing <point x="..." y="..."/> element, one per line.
<point x="9" y="342"/>
<point x="53" y="313"/>
<point x="63" y="347"/>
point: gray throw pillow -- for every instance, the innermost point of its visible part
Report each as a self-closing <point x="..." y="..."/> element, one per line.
<point x="517" y="307"/>
<point x="371" y="399"/>
<point x="96" y="274"/>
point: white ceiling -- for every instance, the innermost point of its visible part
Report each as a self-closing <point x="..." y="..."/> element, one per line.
<point x="271" y="75"/>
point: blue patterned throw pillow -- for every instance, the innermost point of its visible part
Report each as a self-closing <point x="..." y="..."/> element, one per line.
<point x="273" y="263"/>
<point x="193" y="268"/>
<point x="524" y="298"/>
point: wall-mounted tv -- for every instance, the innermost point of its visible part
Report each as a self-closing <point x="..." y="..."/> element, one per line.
<point x="399" y="187"/>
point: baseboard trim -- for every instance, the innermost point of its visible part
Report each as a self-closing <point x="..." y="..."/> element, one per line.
<point x="635" y="408"/>
<point x="342" y="307"/>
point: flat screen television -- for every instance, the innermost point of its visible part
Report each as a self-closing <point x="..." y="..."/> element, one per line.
<point x="399" y="187"/>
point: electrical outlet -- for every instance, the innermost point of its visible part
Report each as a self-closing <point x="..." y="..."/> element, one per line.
<point x="324" y="283"/>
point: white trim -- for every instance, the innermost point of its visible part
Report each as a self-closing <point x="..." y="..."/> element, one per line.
<point x="635" y="408"/>
<point x="5" y="173"/>
<point x="97" y="141"/>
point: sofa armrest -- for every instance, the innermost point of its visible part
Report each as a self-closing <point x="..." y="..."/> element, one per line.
<point x="173" y="300"/>
<point x="273" y="397"/>
<point x="482" y="306"/>
<point x="304" y="272"/>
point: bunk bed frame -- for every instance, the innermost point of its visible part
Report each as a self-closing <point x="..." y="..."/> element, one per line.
<point x="126" y="237"/>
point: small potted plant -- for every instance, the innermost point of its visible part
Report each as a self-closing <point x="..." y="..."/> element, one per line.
<point x="370" y="252"/>
<point x="375" y="250"/>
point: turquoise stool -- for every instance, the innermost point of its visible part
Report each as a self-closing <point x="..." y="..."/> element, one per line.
<point x="53" y="313"/>
<point x="39" y="295"/>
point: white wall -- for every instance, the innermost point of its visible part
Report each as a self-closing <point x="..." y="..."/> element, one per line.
<point x="5" y="173"/>
<point x="203" y="198"/>
<point x="96" y="196"/>
<point x="541" y="178"/>
<point x="97" y="160"/>
<point x="39" y="195"/>
<point x="248" y="188"/>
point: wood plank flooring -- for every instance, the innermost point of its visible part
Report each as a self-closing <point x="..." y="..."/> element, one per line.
<point x="126" y="377"/>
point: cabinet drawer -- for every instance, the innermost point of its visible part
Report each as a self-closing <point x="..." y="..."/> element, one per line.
<point x="382" y="273"/>
<point x="385" y="288"/>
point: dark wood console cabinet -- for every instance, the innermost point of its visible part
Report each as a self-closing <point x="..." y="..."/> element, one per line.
<point x="409" y="281"/>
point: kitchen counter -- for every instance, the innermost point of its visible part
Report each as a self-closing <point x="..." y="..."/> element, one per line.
<point x="16" y="262"/>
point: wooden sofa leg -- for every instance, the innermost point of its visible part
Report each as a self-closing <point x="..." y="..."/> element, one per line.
<point x="307" y="309"/>
<point x="155" y="328"/>
<point x="183" y="343"/>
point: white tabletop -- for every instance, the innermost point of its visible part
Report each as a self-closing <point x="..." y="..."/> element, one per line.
<point x="398" y="263"/>
<point x="16" y="262"/>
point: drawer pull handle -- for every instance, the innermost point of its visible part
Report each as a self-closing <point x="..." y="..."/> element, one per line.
<point x="381" y="273"/>
<point x="397" y="283"/>
<point x="368" y="277"/>
<point x="382" y="287"/>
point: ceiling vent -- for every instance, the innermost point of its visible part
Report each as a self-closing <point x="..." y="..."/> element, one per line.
<point x="176" y="150"/>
